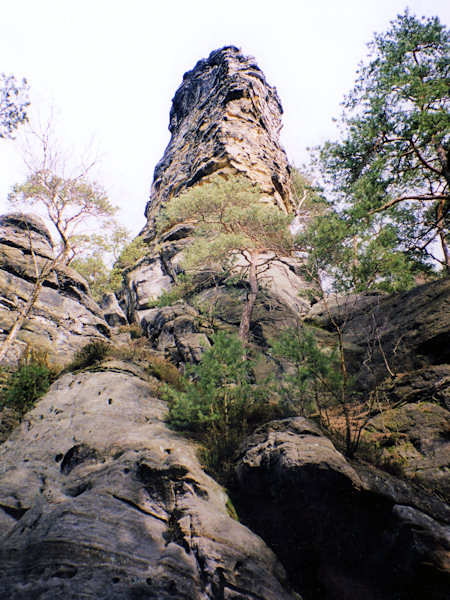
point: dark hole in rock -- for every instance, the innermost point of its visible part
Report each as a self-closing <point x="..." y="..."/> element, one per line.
<point x="77" y="490"/>
<point x="58" y="457"/>
<point x="15" y="513"/>
<point x="238" y="566"/>
<point x="437" y="349"/>
<point x="149" y="581"/>
<point x="75" y="456"/>
<point x="109" y="400"/>
<point x="115" y="579"/>
<point x="65" y="572"/>
<point x="234" y="94"/>
<point x="126" y="470"/>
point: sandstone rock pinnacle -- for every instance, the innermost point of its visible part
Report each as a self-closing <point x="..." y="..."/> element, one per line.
<point x="225" y="118"/>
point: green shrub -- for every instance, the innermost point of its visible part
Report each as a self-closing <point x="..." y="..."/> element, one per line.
<point x="182" y="289"/>
<point x="135" y="250"/>
<point x="28" y="382"/>
<point x="89" y="355"/>
<point x="219" y="401"/>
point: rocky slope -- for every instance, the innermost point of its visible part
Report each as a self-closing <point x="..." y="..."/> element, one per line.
<point x="64" y="317"/>
<point x="98" y="499"/>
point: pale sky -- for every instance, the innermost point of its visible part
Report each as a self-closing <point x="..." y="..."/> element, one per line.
<point x="110" y="68"/>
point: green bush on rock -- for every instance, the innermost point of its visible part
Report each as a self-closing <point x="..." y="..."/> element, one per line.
<point x="89" y="355"/>
<point x="28" y="382"/>
<point x="219" y="401"/>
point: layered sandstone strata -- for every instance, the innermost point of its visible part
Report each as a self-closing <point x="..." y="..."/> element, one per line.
<point x="64" y="317"/>
<point x="225" y="118"/>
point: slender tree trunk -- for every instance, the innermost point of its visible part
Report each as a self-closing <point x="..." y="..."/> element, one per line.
<point x="244" y="327"/>
<point x="23" y="314"/>
<point x="343" y="396"/>
<point x="26" y="309"/>
<point x="441" y="229"/>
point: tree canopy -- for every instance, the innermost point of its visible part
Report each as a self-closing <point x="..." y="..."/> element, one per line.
<point x="13" y="104"/>
<point x="65" y="195"/>
<point x="392" y="165"/>
<point x="232" y="225"/>
<point x="70" y="203"/>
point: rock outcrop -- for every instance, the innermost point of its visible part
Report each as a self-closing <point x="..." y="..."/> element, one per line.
<point x="112" y="311"/>
<point x="400" y="346"/>
<point x="65" y="317"/>
<point x="225" y="118"/>
<point x="99" y="499"/>
<point x="342" y="531"/>
<point x="395" y="334"/>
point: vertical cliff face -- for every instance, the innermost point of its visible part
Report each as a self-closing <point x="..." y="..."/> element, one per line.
<point x="225" y="118"/>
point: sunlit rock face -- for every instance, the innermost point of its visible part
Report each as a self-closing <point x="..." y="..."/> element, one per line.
<point x="99" y="499"/>
<point x="225" y="118"/>
<point x="64" y="317"/>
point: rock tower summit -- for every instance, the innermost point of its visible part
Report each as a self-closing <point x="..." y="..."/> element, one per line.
<point x="225" y="118"/>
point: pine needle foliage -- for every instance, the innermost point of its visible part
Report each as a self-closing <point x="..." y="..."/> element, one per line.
<point x="235" y="231"/>
<point x="392" y="165"/>
<point x="218" y="401"/>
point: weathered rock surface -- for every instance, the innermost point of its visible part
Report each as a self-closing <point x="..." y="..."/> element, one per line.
<point x="342" y="532"/>
<point x="112" y="311"/>
<point x="343" y="307"/>
<point x="177" y="331"/>
<point x="400" y="344"/>
<point x="64" y="317"/>
<point x="400" y="333"/>
<point x="413" y="431"/>
<point x="98" y="499"/>
<point x="225" y="118"/>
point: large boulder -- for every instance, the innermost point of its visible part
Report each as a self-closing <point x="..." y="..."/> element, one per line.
<point x="342" y="531"/>
<point x="412" y="430"/>
<point x="99" y="499"/>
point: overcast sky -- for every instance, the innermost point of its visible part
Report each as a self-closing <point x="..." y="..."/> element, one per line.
<point x="109" y="70"/>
